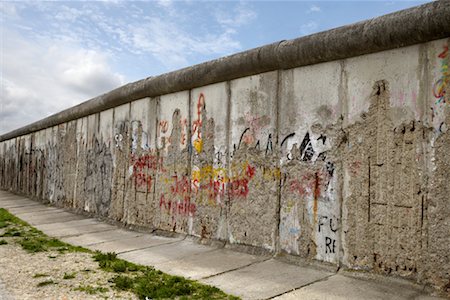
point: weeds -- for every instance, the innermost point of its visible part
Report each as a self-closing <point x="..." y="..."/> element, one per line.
<point x="3" y="242"/>
<point x="38" y="275"/>
<point x="109" y="262"/>
<point x="69" y="275"/>
<point x="89" y="289"/>
<point x="45" y="283"/>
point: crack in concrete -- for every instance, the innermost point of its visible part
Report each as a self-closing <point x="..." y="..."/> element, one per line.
<point x="303" y="286"/>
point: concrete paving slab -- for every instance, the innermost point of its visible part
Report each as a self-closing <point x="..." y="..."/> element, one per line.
<point x="265" y="280"/>
<point x="12" y="198"/>
<point x="18" y="203"/>
<point x="339" y="287"/>
<point x="168" y="252"/>
<point x="69" y="224"/>
<point x="207" y="264"/>
<point x="33" y="208"/>
<point x="101" y="237"/>
<point x="37" y="211"/>
<point x="78" y="230"/>
<point x="56" y="217"/>
<point x="132" y="244"/>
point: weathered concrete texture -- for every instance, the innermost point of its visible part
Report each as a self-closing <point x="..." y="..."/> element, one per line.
<point x="310" y="120"/>
<point x="209" y="177"/>
<point x="383" y="205"/>
<point x="254" y="171"/>
<point x="173" y="187"/>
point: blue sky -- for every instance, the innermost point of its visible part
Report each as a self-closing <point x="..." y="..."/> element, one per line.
<point x="57" y="54"/>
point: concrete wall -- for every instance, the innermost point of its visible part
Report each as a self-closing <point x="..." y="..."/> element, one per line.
<point x="344" y="161"/>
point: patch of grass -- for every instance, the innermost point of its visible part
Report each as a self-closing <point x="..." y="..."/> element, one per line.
<point x="69" y="275"/>
<point x="123" y="282"/>
<point x="155" y="284"/>
<point x="5" y="216"/>
<point x="3" y="242"/>
<point x="45" y="283"/>
<point x="11" y="232"/>
<point x="109" y="262"/>
<point x="38" y="275"/>
<point x="91" y="290"/>
<point x="3" y="224"/>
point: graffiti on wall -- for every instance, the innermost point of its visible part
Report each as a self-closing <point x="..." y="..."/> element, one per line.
<point x="440" y="86"/>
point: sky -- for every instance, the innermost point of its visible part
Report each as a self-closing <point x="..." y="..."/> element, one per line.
<point x="56" y="54"/>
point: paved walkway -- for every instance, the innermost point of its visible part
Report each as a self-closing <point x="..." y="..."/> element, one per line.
<point x="240" y="274"/>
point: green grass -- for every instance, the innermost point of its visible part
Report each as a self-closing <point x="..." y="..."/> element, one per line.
<point x="69" y="275"/>
<point x="45" y="283"/>
<point x="145" y="282"/>
<point x="38" y="275"/>
<point x="89" y="289"/>
<point x="3" y="242"/>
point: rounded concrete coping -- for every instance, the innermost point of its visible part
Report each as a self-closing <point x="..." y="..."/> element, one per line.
<point x="403" y="28"/>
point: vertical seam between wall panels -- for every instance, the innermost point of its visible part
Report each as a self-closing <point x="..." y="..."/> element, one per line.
<point x="189" y="153"/>
<point x="277" y="247"/>
<point x="228" y="158"/>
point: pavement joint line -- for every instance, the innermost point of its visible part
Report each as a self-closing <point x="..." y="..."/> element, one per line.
<point x="236" y="269"/>
<point x="39" y="212"/>
<point x="148" y="247"/>
<point x="303" y="286"/>
<point x="78" y="234"/>
<point x="114" y="240"/>
<point x="84" y="233"/>
<point x="31" y="204"/>
<point x="12" y="198"/>
<point x="56" y="222"/>
<point x="43" y="208"/>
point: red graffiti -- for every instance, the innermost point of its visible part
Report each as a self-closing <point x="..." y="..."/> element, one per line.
<point x="149" y="161"/>
<point x="354" y="167"/>
<point x="443" y="54"/>
<point x="141" y="167"/>
<point x="180" y="186"/>
<point x="250" y="171"/>
<point x="142" y="180"/>
<point x="295" y="186"/>
<point x="182" y="208"/>
<point x="197" y="124"/>
<point x="164" y="126"/>
<point x="309" y="184"/>
<point x="239" y="187"/>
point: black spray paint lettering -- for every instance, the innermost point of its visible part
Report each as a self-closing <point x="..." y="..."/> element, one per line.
<point x="323" y="221"/>
<point x="330" y="245"/>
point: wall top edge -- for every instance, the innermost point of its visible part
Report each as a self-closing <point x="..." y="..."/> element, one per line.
<point x="416" y="25"/>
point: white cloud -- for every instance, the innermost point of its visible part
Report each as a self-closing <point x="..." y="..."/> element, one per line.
<point x="172" y="45"/>
<point x="241" y="15"/>
<point x="314" y="8"/>
<point x="309" y="28"/>
<point x="40" y="78"/>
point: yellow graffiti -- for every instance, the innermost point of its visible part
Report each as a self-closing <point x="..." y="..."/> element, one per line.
<point x="198" y="145"/>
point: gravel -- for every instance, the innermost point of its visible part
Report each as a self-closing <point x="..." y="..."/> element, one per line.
<point x="18" y="280"/>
